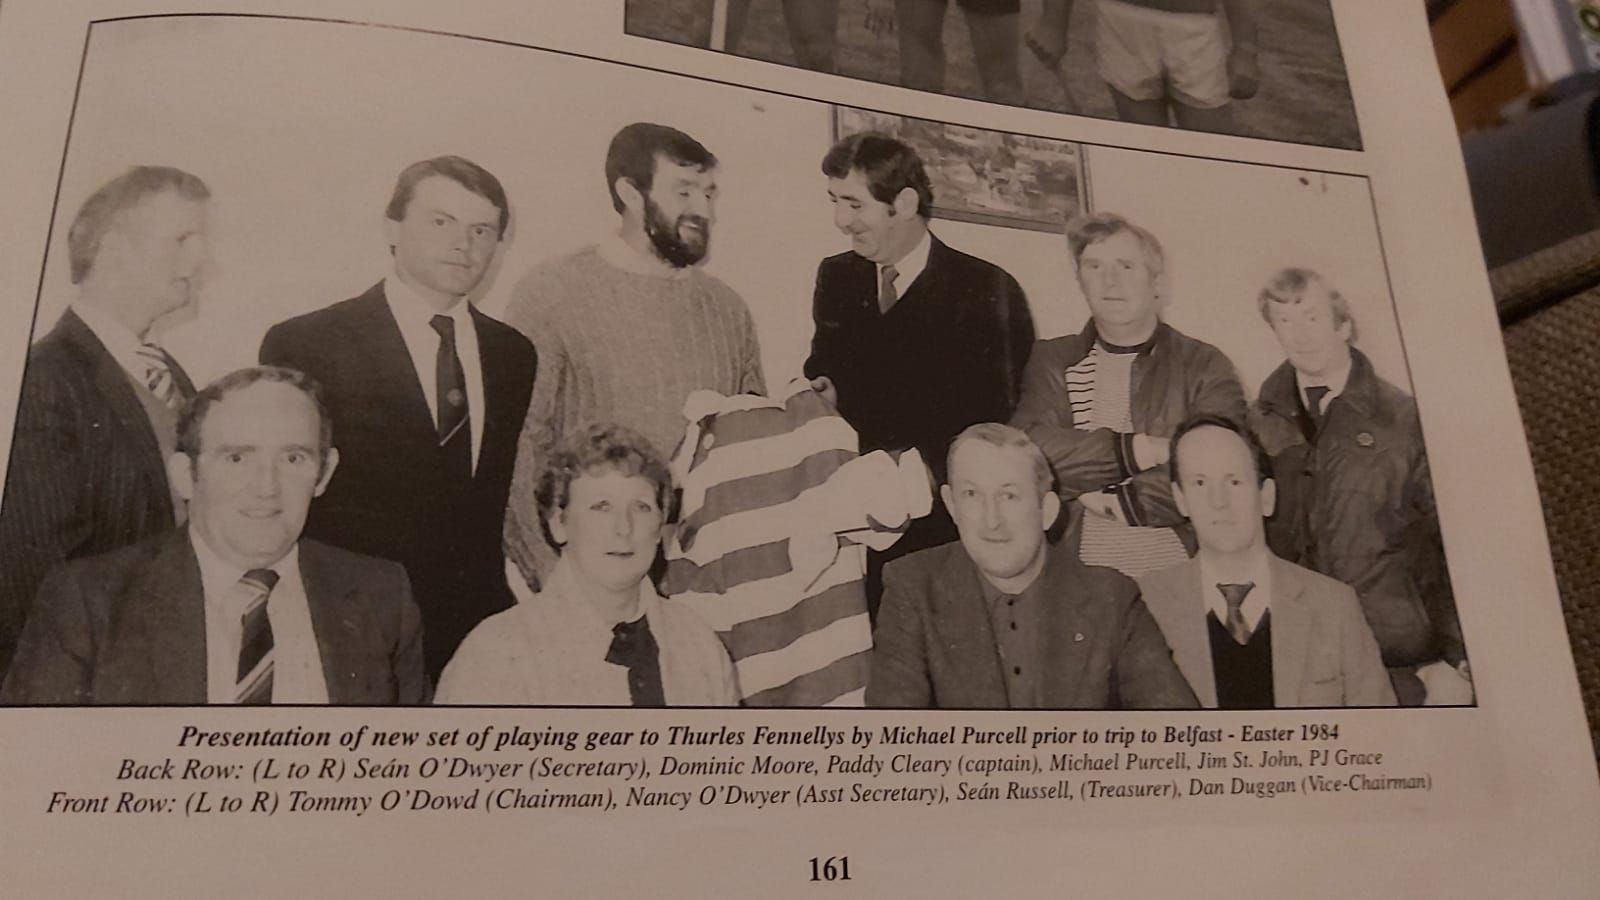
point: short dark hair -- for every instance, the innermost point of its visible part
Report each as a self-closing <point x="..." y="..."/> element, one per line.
<point x="1092" y="229"/>
<point x="122" y="193"/>
<point x="1289" y="286"/>
<point x="633" y="151"/>
<point x="462" y="171"/>
<point x="193" y="414"/>
<point x="1258" y="453"/>
<point x="888" y="164"/>
<point x="603" y="447"/>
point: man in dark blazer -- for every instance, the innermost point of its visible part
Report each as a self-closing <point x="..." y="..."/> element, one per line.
<point x="1248" y="629"/>
<point x="913" y="340"/>
<point x="427" y="396"/>
<point x="235" y="608"/>
<point x="1004" y="620"/>
<point x="98" y="408"/>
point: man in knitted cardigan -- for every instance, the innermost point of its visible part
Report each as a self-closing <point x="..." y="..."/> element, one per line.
<point x="628" y="328"/>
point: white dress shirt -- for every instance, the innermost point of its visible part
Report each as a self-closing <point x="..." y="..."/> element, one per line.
<point x="1335" y="386"/>
<point x="908" y="267"/>
<point x="297" y="675"/>
<point x="414" y="315"/>
<point x="1256" y="603"/>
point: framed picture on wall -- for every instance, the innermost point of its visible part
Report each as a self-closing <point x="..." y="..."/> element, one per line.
<point x="984" y="176"/>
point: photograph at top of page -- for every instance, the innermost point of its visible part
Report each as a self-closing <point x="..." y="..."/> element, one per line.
<point x="1252" y="68"/>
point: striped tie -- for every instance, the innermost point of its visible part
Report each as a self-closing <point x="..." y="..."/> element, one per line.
<point x="1233" y="595"/>
<point x="254" y="681"/>
<point x="158" y="375"/>
<point x="454" y="423"/>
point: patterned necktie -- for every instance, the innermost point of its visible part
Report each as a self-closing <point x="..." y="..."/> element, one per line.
<point x="1234" y="594"/>
<point x="253" y="684"/>
<point x="1314" y="395"/>
<point x="455" y="431"/>
<point x="887" y="295"/>
<point x="158" y="375"/>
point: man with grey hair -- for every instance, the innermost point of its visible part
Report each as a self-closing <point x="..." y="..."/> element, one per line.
<point x="98" y="407"/>
<point x="1355" y="501"/>
<point x="1002" y="619"/>
<point x="1103" y="403"/>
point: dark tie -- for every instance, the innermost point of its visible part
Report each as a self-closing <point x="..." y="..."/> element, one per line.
<point x="1314" y="395"/>
<point x="454" y="425"/>
<point x="253" y="684"/>
<point x="159" y="377"/>
<point x="887" y="295"/>
<point x="633" y="646"/>
<point x="1234" y="594"/>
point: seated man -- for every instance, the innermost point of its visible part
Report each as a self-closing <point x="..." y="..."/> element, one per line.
<point x="1249" y="630"/>
<point x="1002" y="619"/>
<point x="1164" y="56"/>
<point x="235" y="608"/>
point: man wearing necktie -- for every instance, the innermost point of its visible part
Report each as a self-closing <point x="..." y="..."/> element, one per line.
<point x="1250" y="630"/>
<point x="236" y="607"/>
<point x="1355" y="501"/>
<point x="427" y="395"/>
<point x="97" y="413"/>
<point x="913" y="340"/>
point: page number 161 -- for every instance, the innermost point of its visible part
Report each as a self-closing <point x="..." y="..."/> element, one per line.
<point x="834" y="868"/>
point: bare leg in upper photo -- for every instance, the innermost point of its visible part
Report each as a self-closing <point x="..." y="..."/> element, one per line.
<point x="1165" y="62"/>
<point x="813" y="27"/>
<point x="994" y="29"/>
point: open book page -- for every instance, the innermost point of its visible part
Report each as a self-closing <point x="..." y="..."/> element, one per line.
<point x="1012" y="448"/>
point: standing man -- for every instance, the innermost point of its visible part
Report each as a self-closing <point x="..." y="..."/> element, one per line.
<point x="1103" y="403"/>
<point x="1183" y="59"/>
<point x="992" y="28"/>
<point x="913" y="340"/>
<point x="1355" y="501"/>
<point x="813" y="27"/>
<point x="427" y="395"/>
<point x="98" y="410"/>
<point x="236" y="608"/>
<point x="627" y="329"/>
<point x="1248" y="629"/>
<point x="1003" y="619"/>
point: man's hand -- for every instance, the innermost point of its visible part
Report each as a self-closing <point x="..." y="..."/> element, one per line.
<point x="823" y="385"/>
<point x="1150" y="451"/>
<point x="1102" y="504"/>
<point x="1244" y="72"/>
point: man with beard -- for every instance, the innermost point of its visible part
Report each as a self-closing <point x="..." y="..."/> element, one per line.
<point x="628" y="328"/>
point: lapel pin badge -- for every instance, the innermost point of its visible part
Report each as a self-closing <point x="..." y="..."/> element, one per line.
<point x="1365" y="439"/>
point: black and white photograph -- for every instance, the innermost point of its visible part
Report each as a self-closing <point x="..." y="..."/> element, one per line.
<point x="374" y="384"/>
<point x="1269" y="69"/>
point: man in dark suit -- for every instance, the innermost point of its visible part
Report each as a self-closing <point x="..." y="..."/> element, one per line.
<point x="1004" y="620"/>
<point x="428" y="396"/>
<point x="98" y="408"/>
<point x="235" y="608"/>
<point x="913" y="340"/>
<point x="1250" y="630"/>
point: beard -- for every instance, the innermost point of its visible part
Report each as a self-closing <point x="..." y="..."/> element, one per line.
<point x="667" y="237"/>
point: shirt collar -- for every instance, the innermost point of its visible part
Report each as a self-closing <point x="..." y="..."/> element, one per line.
<point x="218" y="576"/>
<point x="407" y="304"/>
<point x="122" y="344"/>
<point x="566" y="601"/>
<point x="1256" y="603"/>
<point x="621" y="254"/>
<point x="1335" y="385"/>
<point x="908" y="267"/>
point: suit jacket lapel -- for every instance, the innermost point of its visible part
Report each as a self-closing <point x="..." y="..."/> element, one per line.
<point x="166" y="624"/>
<point x="964" y="627"/>
<point x="498" y="390"/>
<point x="1188" y="633"/>
<point x="122" y="403"/>
<point x="338" y="625"/>
<point x="1291" y="634"/>
<point x="394" y="382"/>
<point x="1068" y="633"/>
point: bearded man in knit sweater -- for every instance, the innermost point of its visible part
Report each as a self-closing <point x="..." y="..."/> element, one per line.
<point x="628" y="328"/>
